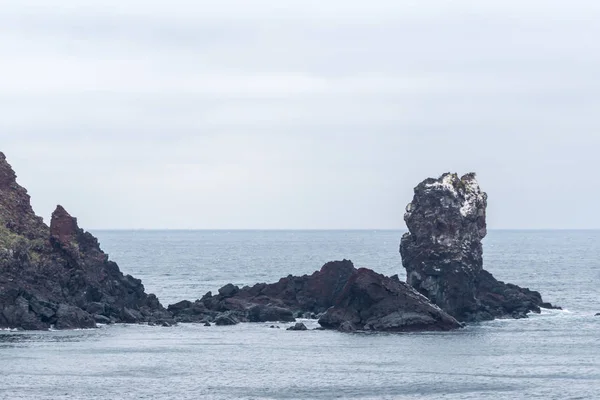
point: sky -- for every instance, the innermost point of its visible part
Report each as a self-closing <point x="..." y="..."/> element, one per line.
<point x="306" y="114"/>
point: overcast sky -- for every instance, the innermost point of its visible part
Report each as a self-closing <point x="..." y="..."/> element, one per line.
<point x="300" y="114"/>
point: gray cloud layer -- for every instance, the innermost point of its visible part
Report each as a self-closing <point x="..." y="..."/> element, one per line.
<point x="300" y="114"/>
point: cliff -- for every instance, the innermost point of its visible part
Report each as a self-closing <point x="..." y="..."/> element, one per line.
<point x="57" y="275"/>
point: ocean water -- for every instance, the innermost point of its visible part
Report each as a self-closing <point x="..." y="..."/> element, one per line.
<point x="554" y="355"/>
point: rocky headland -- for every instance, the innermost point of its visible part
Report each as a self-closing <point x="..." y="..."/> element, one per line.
<point x="57" y="275"/>
<point x="443" y="254"/>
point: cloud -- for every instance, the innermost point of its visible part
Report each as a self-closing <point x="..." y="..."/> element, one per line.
<point x="299" y="114"/>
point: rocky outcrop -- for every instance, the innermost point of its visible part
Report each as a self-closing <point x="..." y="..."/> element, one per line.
<point x="443" y="253"/>
<point x="58" y="275"/>
<point x="347" y="298"/>
<point x="299" y="326"/>
<point x="281" y="301"/>
<point x="374" y="302"/>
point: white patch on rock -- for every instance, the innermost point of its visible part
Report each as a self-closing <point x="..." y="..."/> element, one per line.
<point x="472" y="195"/>
<point x="446" y="182"/>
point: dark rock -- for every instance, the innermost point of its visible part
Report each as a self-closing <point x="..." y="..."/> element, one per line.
<point x="272" y="302"/>
<point x="131" y="316"/>
<point x="347" y="327"/>
<point x="267" y="313"/>
<point x="226" y="319"/>
<point x="597" y="314"/>
<point x="182" y="305"/>
<point x="550" y="306"/>
<point x="362" y="297"/>
<point x="58" y="275"/>
<point x="70" y="317"/>
<point x="95" y="308"/>
<point x="371" y="301"/>
<point x="228" y="290"/>
<point x="298" y="327"/>
<point x="443" y="253"/>
<point x="101" y="319"/>
<point x="208" y="295"/>
<point x="207" y="324"/>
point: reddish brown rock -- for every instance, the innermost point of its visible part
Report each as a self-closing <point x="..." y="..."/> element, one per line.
<point x="63" y="227"/>
<point x="16" y="213"/>
<point x="58" y="275"/>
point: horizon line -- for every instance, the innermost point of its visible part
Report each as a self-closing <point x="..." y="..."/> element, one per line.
<point x="323" y="229"/>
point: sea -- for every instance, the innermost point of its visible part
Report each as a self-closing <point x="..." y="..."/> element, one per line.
<point x="553" y="355"/>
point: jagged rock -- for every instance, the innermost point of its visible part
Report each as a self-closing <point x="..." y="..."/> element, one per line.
<point x="360" y="296"/>
<point x="443" y="253"/>
<point x="278" y="301"/>
<point x="228" y="290"/>
<point x="265" y="313"/>
<point x="58" y="275"/>
<point x="70" y="317"/>
<point x="597" y="314"/>
<point x="371" y="301"/>
<point x="226" y="319"/>
<point x="207" y="324"/>
<point x="298" y="327"/>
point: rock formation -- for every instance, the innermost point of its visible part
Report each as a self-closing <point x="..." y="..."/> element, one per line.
<point x="374" y="302"/>
<point x="443" y="253"/>
<point x="346" y="298"/>
<point x="58" y="275"/>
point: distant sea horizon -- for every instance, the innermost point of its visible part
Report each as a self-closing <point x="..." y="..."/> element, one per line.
<point x="321" y="229"/>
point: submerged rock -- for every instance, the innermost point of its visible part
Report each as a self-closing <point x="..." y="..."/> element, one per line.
<point x="443" y="253"/>
<point x="298" y="327"/>
<point x="57" y="275"/>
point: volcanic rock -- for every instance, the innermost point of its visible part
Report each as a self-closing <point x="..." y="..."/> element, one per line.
<point x="374" y="302"/>
<point x="443" y="253"/>
<point x="58" y="275"/>
<point x="227" y="318"/>
<point x="345" y="295"/>
<point x="298" y="327"/>
<point x="276" y="302"/>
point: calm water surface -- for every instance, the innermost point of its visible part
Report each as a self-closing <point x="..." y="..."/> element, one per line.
<point x="555" y="355"/>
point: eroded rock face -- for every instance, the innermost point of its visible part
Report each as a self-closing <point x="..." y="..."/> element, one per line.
<point x="374" y="302"/>
<point x="348" y="299"/>
<point x="58" y="275"/>
<point x="443" y="253"/>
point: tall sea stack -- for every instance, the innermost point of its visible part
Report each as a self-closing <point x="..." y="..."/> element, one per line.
<point x="443" y="253"/>
<point x="58" y="275"/>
